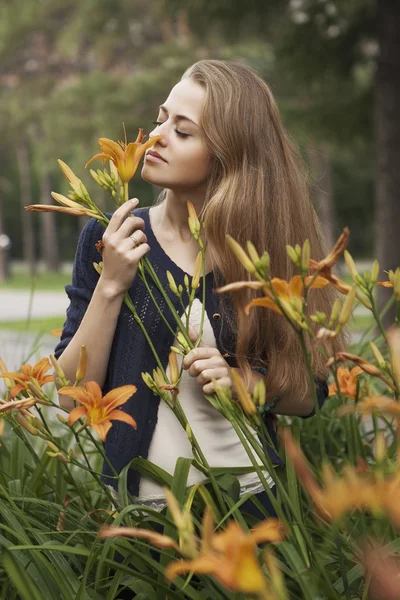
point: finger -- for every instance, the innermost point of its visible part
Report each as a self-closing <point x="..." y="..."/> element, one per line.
<point x="120" y="215"/>
<point x="137" y="253"/>
<point x="130" y="225"/>
<point x="193" y="335"/>
<point x="209" y="387"/>
<point x="136" y="238"/>
<point x="201" y="365"/>
<point x="200" y="354"/>
<point x="208" y="374"/>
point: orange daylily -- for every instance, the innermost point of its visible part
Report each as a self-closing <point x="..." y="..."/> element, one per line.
<point x="289" y="292"/>
<point x="355" y="490"/>
<point x="124" y="156"/>
<point x="37" y="372"/>
<point x="347" y="382"/>
<point x="98" y="410"/>
<point x="366" y="366"/>
<point x="230" y="557"/>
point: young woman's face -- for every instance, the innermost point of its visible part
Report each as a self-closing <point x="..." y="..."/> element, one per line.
<point x="186" y="161"/>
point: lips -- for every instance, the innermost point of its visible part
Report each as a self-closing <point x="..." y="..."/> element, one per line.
<point x="156" y="154"/>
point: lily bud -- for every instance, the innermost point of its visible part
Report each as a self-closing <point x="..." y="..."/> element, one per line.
<point x="173" y="367"/>
<point x="347" y="306"/>
<point x="82" y="367"/>
<point x="252" y="252"/>
<point x="240" y="254"/>
<point x="305" y="256"/>
<point x="260" y="393"/>
<point x="335" y="312"/>
<point x="263" y="264"/>
<point x="374" y="272"/>
<point x="292" y="254"/>
<point x="35" y="389"/>
<point x="62" y="419"/>
<point x="58" y="370"/>
<point x="243" y="395"/>
<point x="197" y="271"/>
<point x="172" y="283"/>
<point x="147" y="378"/>
<point x="351" y="265"/>
<point x="378" y="356"/>
<point x="26" y="425"/>
<point x="158" y="377"/>
<point x="68" y="173"/>
<point x="186" y="282"/>
<point x="182" y="341"/>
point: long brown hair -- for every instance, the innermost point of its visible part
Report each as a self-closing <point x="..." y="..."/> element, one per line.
<point x="258" y="190"/>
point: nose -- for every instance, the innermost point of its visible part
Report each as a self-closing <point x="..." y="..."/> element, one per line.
<point x="158" y="130"/>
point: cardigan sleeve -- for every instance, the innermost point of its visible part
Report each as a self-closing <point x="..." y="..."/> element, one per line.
<point x="84" y="281"/>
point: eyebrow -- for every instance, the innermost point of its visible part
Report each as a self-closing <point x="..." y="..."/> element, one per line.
<point x="178" y="117"/>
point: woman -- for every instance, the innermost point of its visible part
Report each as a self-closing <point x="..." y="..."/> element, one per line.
<point x="225" y="150"/>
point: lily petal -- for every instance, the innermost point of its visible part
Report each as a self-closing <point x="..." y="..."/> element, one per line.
<point x="265" y="302"/>
<point x="119" y="396"/>
<point x="76" y="413"/>
<point x="120" y="415"/>
<point x="102" y="429"/>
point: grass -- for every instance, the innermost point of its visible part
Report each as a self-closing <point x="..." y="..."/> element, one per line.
<point x="43" y="281"/>
<point x="44" y="325"/>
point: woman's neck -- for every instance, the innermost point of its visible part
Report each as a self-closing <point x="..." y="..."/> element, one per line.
<point x="172" y="215"/>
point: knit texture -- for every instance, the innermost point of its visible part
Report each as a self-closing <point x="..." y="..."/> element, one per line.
<point x="130" y="352"/>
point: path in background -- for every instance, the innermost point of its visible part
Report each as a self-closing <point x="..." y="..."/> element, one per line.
<point x="16" y="305"/>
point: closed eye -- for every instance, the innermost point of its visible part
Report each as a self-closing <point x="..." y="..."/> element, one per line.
<point x="180" y="133"/>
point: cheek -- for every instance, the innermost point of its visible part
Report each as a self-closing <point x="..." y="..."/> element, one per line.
<point x="188" y="167"/>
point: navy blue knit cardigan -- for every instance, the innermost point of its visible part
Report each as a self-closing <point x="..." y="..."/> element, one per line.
<point x="130" y="353"/>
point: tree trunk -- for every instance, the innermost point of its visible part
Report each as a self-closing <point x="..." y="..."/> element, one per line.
<point x="387" y="103"/>
<point x="49" y="242"/>
<point x="321" y="166"/>
<point x="28" y="240"/>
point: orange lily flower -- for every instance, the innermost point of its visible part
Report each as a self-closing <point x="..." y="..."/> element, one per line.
<point x="124" y="156"/>
<point x="228" y="555"/>
<point x="231" y="557"/>
<point x="290" y="293"/>
<point x="354" y="490"/>
<point x="347" y="382"/>
<point x="98" y="410"/>
<point x="366" y="366"/>
<point x="37" y="372"/>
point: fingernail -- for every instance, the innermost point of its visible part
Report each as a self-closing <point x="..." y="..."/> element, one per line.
<point x="134" y="200"/>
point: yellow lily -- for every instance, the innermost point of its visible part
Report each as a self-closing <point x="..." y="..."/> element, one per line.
<point x="67" y="206"/>
<point x="124" y="156"/>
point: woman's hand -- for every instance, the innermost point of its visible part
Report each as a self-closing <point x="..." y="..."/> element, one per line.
<point x="124" y="244"/>
<point x="207" y="363"/>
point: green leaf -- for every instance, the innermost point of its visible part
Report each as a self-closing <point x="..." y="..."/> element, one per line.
<point x="20" y="579"/>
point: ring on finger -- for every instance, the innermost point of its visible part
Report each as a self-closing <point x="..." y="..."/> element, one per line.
<point x="134" y="240"/>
